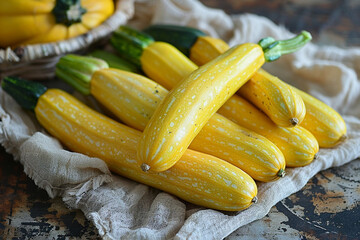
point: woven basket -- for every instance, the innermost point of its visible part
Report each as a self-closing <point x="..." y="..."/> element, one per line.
<point x="38" y="61"/>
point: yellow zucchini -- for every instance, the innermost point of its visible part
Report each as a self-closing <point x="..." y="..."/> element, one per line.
<point x="251" y="152"/>
<point x="187" y="108"/>
<point x="206" y="48"/>
<point x="33" y="21"/>
<point x="165" y="64"/>
<point x="298" y="145"/>
<point x="130" y="96"/>
<point x="160" y="150"/>
<point x="134" y="98"/>
<point x="275" y="98"/>
<point x="265" y="91"/>
<point x="322" y="121"/>
<point x="197" y="178"/>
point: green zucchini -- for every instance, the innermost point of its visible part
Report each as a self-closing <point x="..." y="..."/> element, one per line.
<point x="114" y="61"/>
<point x="182" y="37"/>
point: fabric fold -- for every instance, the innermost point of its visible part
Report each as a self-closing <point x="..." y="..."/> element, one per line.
<point x="45" y="161"/>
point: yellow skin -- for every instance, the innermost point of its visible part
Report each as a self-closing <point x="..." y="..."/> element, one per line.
<point x="188" y="106"/>
<point x="168" y="70"/>
<point x="133" y="99"/>
<point x="298" y="145"/>
<point x="172" y="76"/>
<point x="321" y="120"/>
<point x="207" y="48"/>
<point x="267" y="92"/>
<point x="31" y="21"/>
<point x="197" y="178"/>
<point x="280" y="103"/>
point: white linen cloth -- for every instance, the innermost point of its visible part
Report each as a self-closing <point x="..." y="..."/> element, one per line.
<point x="123" y="209"/>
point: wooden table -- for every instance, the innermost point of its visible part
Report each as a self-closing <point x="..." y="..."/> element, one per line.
<point x="326" y="208"/>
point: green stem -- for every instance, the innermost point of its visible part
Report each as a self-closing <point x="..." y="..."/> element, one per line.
<point x="274" y="49"/>
<point x="115" y="61"/>
<point x="281" y="173"/>
<point x="26" y="93"/>
<point x="77" y="71"/>
<point x="68" y="12"/>
<point x="130" y="43"/>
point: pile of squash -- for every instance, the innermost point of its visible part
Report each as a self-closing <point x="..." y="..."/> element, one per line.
<point x="192" y="116"/>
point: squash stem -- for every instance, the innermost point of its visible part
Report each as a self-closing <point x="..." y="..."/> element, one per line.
<point x="274" y="49"/>
<point x="25" y="93"/>
<point x="77" y="71"/>
<point x="68" y="12"/>
<point x="281" y="173"/>
<point x="115" y="61"/>
<point x="145" y="167"/>
<point x="130" y="43"/>
<point x="294" y="121"/>
<point x="342" y="138"/>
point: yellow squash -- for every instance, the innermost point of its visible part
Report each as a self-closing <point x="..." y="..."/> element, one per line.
<point x="32" y="21"/>
<point x="188" y="106"/>
<point x="298" y="145"/>
<point x="279" y="102"/>
<point x="322" y="121"/>
<point x="197" y="178"/>
<point x="195" y="97"/>
<point x="267" y="92"/>
<point x="282" y="104"/>
<point x="133" y="99"/>
<point x="275" y="98"/>
<point x="206" y="48"/>
<point x="165" y="64"/>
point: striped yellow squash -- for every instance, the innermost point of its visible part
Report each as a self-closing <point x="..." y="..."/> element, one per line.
<point x="187" y="108"/>
<point x="133" y="98"/>
<point x="190" y="104"/>
<point x="263" y="90"/>
<point x="322" y="121"/>
<point x="207" y="48"/>
<point x="160" y="55"/>
<point x="267" y="92"/>
<point x="197" y="178"/>
<point x="298" y="145"/>
<point x="41" y="21"/>
<point x="275" y="98"/>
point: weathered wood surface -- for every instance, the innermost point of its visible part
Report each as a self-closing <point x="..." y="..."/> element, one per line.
<point x="27" y="212"/>
<point x="326" y="208"/>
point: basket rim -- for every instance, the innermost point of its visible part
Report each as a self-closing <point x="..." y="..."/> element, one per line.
<point x="124" y="10"/>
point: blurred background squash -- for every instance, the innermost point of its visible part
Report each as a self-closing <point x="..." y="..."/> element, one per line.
<point x="36" y="33"/>
<point x="32" y="21"/>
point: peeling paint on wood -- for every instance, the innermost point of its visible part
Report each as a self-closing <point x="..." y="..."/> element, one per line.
<point x="27" y="212"/>
<point x="328" y="207"/>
